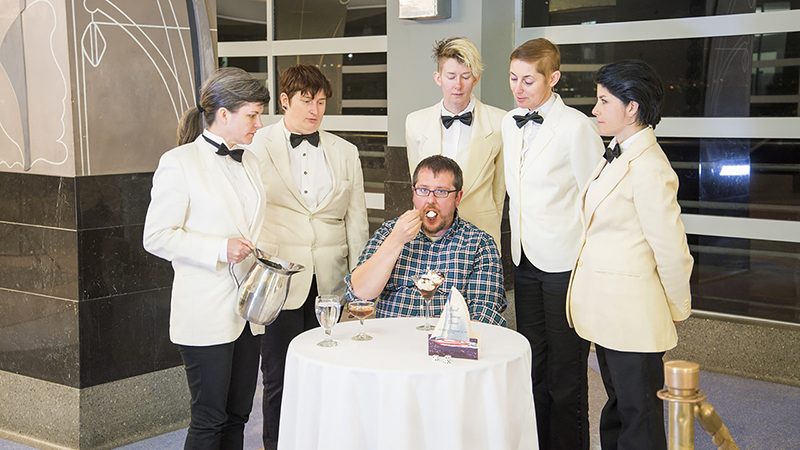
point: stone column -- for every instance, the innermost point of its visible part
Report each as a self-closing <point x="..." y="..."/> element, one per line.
<point x="91" y="95"/>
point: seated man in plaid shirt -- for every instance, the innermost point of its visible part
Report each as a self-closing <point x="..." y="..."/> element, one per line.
<point x="431" y="236"/>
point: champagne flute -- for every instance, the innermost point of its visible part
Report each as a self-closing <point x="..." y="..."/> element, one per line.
<point x="361" y="309"/>
<point x="327" y="308"/>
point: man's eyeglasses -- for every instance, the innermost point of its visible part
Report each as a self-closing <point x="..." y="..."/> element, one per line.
<point x="438" y="193"/>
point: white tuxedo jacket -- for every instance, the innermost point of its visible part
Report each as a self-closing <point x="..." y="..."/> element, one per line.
<point x="543" y="191"/>
<point x="328" y="240"/>
<point x="193" y="210"/>
<point x="631" y="279"/>
<point x="484" y="186"/>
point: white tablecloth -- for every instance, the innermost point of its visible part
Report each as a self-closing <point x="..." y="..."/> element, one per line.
<point x="387" y="393"/>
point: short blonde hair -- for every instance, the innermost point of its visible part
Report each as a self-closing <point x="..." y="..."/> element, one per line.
<point x="540" y="52"/>
<point x="462" y="50"/>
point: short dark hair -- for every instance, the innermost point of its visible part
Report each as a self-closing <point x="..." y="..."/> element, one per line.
<point x="439" y="163"/>
<point x="305" y="79"/>
<point x="633" y="80"/>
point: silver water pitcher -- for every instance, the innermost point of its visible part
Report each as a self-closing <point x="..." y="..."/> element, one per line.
<point x="265" y="288"/>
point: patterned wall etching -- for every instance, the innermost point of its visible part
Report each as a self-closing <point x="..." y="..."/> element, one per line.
<point x="134" y="71"/>
<point x="35" y="113"/>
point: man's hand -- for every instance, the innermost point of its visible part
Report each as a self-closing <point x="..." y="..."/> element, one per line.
<point x="238" y="250"/>
<point x="406" y="228"/>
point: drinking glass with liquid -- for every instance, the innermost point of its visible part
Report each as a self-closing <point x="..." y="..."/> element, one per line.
<point x="328" y="308"/>
<point x="361" y="309"/>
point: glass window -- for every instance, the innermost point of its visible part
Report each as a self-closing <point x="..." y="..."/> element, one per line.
<point x="312" y="19"/>
<point x="241" y="20"/>
<point x="746" y="277"/>
<point x="730" y="76"/>
<point x="256" y="66"/>
<point x="536" y="13"/>
<point x="358" y="81"/>
<point x="756" y="178"/>
<point x="372" y="152"/>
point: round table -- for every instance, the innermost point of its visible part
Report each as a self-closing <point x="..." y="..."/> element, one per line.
<point x="388" y="393"/>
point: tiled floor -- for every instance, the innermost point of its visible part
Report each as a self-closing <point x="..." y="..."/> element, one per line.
<point x="760" y="415"/>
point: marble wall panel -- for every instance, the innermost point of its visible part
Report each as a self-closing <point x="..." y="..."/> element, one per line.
<point x="112" y="200"/>
<point x="397" y="198"/>
<point x="124" y="336"/>
<point x="37" y="200"/>
<point x="39" y="260"/>
<point x="397" y="164"/>
<point x="114" y="262"/>
<point x="39" y="337"/>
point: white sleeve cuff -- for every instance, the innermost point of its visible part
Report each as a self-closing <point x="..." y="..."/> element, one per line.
<point x="223" y="251"/>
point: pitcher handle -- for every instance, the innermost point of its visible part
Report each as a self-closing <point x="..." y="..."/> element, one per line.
<point x="258" y="253"/>
<point x="233" y="275"/>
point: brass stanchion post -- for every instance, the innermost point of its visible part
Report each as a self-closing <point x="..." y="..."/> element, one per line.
<point x="682" y="379"/>
<point x="712" y="423"/>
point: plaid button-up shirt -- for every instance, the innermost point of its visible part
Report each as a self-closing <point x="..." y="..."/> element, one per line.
<point x="466" y="255"/>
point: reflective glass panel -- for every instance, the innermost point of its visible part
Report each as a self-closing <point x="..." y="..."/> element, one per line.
<point x="536" y="13"/>
<point x="756" y="178"/>
<point x="256" y="66"/>
<point x="746" y="277"/>
<point x="241" y="20"/>
<point x="358" y="81"/>
<point x="372" y="152"/>
<point x="312" y="19"/>
<point x="730" y="76"/>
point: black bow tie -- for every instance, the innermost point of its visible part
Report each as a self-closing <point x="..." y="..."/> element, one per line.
<point x="465" y="118"/>
<point x="222" y="150"/>
<point x="612" y="153"/>
<point x="297" y="139"/>
<point x="532" y="116"/>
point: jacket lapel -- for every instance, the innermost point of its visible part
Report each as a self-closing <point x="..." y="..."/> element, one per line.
<point x="479" y="154"/>
<point x="278" y="151"/>
<point x="512" y="144"/>
<point x="545" y="133"/>
<point x="432" y="144"/>
<point x="335" y="164"/>
<point x="612" y="174"/>
<point x="220" y="182"/>
<point x="250" y="164"/>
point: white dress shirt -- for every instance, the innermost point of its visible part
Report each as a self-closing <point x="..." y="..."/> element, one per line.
<point x="240" y="180"/>
<point x="530" y="129"/>
<point x="310" y="171"/>
<point x="455" y="140"/>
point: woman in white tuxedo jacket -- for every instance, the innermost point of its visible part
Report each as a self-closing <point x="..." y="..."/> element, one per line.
<point x="630" y="283"/>
<point x="206" y="211"/>
<point x="549" y="150"/>
<point x="464" y="129"/>
<point x="316" y="215"/>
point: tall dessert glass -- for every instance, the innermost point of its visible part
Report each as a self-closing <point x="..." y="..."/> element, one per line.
<point x="427" y="284"/>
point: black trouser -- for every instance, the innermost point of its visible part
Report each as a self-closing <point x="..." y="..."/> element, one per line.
<point x="274" y="345"/>
<point x="222" y="382"/>
<point x="558" y="372"/>
<point x="633" y="416"/>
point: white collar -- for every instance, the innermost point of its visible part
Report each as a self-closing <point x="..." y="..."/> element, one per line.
<point x="628" y="142"/>
<point x="470" y="107"/>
